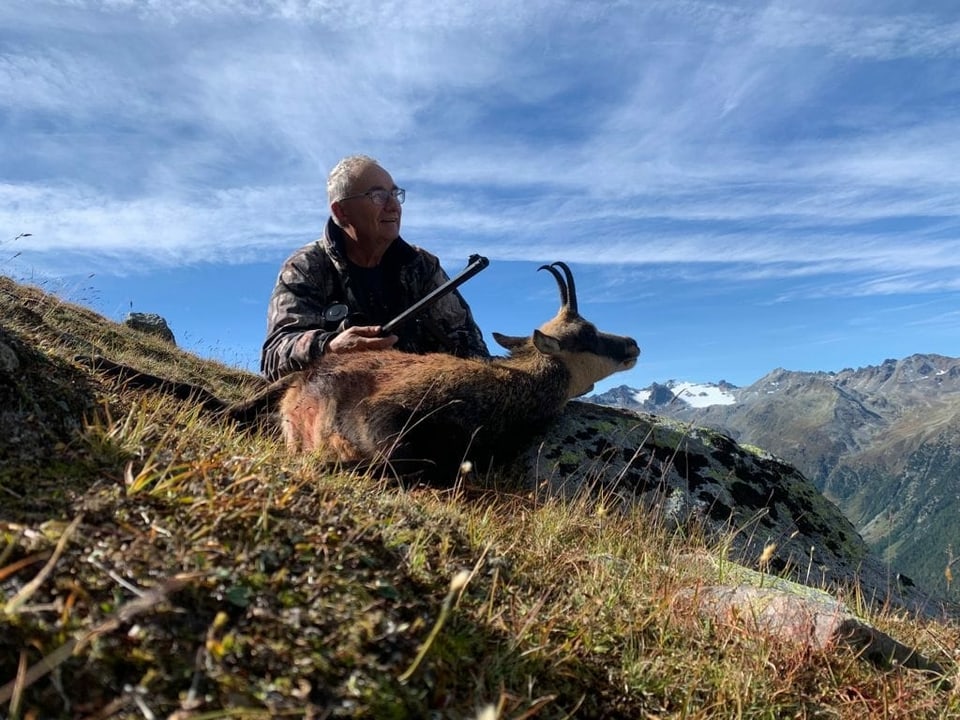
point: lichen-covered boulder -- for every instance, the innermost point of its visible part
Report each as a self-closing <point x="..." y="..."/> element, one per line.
<point x="763" y="512"/>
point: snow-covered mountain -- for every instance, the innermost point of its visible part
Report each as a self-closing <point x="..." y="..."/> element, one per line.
<point x="673" y="392"/>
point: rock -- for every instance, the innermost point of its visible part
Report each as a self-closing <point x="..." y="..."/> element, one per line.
<point x="747" y="503"/>
<point x="794" y="614"/>
<point x="820" y="623"/>
<point x="152" y="324"/>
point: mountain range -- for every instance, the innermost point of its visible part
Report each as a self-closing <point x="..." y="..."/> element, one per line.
<point x="882" y="442"/>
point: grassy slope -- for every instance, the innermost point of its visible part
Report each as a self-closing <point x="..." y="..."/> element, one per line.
<point x="164" y="563"/>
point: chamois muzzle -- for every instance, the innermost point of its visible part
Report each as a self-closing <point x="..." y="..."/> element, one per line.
<point x="631" y="351"/>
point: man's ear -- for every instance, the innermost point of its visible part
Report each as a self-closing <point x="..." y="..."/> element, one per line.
<point x="337" y="211"/>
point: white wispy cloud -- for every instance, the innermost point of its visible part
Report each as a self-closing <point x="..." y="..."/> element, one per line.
<point x="162" y="131"/>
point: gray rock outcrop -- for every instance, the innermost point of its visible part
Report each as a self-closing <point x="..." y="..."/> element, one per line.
<point x="151" y="324"/>
<point x="756" y="508"/>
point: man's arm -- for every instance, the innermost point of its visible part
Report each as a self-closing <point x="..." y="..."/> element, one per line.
<point x="295" y="331"/>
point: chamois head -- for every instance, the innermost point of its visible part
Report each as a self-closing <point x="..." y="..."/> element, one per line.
<point x="589" y="354"/>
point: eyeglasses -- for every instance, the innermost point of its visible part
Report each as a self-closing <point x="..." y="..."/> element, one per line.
<point x="379" y="196"/>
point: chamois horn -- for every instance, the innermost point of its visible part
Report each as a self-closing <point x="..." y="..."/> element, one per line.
<point x="568" y="289"/>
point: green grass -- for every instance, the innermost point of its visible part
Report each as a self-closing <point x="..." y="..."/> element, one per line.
<point x="156" y="562"/>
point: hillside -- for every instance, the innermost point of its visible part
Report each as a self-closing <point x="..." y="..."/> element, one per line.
<point x="883" y="442"/>
<point x="158" y="561"/>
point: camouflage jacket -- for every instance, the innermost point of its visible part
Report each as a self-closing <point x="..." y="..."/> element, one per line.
<point x="318" y="275"/>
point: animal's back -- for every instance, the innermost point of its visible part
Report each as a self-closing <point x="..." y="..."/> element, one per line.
<point x="388" y="405"/>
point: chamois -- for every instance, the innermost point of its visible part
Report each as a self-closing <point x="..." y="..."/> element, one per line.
<point x="429" y="413"/>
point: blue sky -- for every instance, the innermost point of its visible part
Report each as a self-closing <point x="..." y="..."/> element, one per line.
<point x="741" y="186"/>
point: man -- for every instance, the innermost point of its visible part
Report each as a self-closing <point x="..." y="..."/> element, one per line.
<point x="361" y="262"/>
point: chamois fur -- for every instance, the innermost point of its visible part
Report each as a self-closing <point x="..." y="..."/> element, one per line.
<point x="432" y="412"/>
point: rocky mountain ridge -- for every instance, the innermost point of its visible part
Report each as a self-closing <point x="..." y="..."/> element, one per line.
<point x="883" y="442"/>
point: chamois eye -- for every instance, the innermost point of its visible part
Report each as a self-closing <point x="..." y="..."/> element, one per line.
<point x="588" y="335"/>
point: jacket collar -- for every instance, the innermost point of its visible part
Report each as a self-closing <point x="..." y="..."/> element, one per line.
<point x="334" y="242"/>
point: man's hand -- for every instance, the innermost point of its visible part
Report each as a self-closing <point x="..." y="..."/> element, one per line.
<point x="361" y="337"/>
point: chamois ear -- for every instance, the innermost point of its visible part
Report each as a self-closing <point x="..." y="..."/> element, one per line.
<point x="510" y="342"/>
<point x="546" y="344"/>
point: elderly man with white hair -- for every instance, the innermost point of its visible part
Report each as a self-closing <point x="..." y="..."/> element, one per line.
<point x="362" y="266"/>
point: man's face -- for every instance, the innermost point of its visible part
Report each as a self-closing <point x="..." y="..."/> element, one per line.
<point x="372" y="225"/>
